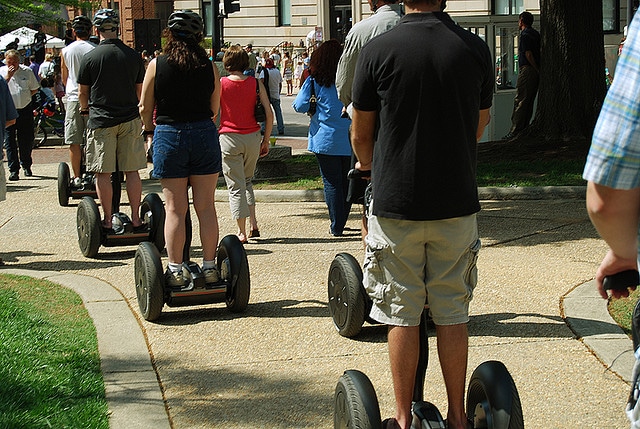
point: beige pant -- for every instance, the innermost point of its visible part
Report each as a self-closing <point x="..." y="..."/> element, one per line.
<point x="409" y="263"/>
<point x="240" y="154"/>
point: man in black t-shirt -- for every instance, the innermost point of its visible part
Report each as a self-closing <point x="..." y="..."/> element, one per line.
<point x="528" y="75"/>
<point x="110" y="83"/>
<point x="432" y="107"/>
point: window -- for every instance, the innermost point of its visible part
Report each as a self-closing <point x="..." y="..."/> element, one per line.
<point x="508" y="7"/>
<point x="207" y="17"/>
<point x="611" y="16"/>
<point x="506" y="57"/>
<point x="284" y="12"/>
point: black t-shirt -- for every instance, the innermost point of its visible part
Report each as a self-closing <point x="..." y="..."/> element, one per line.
<point x="183" y="96"/>
<point x="529" y="41"/>
<point x="428" y="99"/>
<point x="112" y="70"/>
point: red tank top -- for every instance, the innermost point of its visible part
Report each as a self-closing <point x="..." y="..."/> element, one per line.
<point x="237" y="103"/>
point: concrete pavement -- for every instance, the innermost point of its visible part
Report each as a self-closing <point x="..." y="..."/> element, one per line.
<point x="276" y="365"/>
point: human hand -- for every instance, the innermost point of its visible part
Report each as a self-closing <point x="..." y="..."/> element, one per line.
<point x="264" y="148"/>
<point x="11" y="70"/>
<point x="610" y="265"/>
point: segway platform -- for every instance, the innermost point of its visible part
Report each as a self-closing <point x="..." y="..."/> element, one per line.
<point x="233" y="288"/>
<point x="91" y="234"/>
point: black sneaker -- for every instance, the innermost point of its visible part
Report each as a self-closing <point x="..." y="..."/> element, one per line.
<point x="14" y="176"/>
<point x="27" y="172"/>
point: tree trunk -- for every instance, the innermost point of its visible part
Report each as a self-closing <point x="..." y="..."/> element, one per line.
<point x="572" y="83"/>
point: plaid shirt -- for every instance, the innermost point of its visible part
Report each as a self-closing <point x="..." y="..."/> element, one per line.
<point x="614" y="156"/>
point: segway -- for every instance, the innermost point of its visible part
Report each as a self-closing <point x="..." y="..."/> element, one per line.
<point x="349" y="304"/>
<point x="492" y="398"/>
<point x="92" y="235"/>
<point x="67" y="189"/>
<point x="87" y="187"/>
<point x="233" y="287"/>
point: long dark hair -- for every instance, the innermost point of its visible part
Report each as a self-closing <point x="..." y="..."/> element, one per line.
<point x="184" y="53"/>
<point x="324" y="62"/>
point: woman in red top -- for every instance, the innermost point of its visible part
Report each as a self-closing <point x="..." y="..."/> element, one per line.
<point x="240" y="139"/>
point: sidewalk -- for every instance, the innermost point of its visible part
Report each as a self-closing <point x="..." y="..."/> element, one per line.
<point x="276" y="365"/>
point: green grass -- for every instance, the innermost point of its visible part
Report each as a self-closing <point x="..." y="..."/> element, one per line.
<point x="622" y="309"/>
<point x="49" y="363"/>
<point x="304" y="174"/>
<point x="531" y="173"/>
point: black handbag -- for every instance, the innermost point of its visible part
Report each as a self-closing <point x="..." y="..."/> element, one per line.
<point x="258" y="111"/>
<point x="313" y="101"/>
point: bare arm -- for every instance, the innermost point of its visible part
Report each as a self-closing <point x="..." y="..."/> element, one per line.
<point x="64" y="70"/>
<point x="147" y="97"/>
<point x="215" y="96"/>
<point x="9" y="123"/>
<point x="483" y="121"/>
<point x="531" y="60"/>
<point x="363" y="129"/>
<point x="83" y="96"/>
<point x="615" y="213"/>
<point x="268" y="123"/>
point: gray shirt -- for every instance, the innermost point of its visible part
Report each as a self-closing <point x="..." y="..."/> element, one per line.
<point x="385" y="18"/>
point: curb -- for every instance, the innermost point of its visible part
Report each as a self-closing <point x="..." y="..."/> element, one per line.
<point x="132" y="390"/>
<point x="586" y="314"/>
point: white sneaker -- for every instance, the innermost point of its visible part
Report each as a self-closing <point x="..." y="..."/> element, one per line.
<point x="211" y="275"/>
<point x="77" y="182"/>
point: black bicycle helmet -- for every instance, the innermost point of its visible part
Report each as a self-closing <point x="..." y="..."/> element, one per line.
<point x="106" y="19"/>
<point x="81" y="24"/>
<point x="185" y="23"/>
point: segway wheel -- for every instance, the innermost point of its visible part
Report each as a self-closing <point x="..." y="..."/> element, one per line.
<point x="355" y="403"/>
<point x="89" y="227"/>
<point x="234" y="269"/>
<point x="492" y="400"/>
<point x="152" y="213"/>
<point x="346" y="295"/>
<point x="149" y="280"/>
<point x="64" y="180"/>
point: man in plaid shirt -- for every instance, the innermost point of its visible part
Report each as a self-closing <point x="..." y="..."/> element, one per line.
<point x="613" y="174"/>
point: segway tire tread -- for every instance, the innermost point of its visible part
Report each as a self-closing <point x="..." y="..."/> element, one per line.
<point x="347" y="300"/>
<point x="89" y="227"/>
<point x="149" y="281"/>
<point x="355" y="403"/>
<point x="64" y="180"/>
<point x="492" y="388"/>
<point x="239" y="287"/>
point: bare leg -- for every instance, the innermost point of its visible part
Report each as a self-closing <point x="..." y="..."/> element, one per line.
<point x="404" y="348"/>
<point x="134" y="192"/>
<point x="176" y="204"/>
<point x="75" y="156"/>
<point x="242" y="228"/>
<point x="453" y="342"/>
<point x="253" y="221"/>
<point x="105" y="195"/>
<point x="204" y="188"/>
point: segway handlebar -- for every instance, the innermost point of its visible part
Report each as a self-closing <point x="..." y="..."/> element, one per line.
<point x="622" y="280"/>
<point x="354" y="173"/>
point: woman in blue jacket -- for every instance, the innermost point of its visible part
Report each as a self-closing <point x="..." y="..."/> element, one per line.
<point x="328" y="131"/>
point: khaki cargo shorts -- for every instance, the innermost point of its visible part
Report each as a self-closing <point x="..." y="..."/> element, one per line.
<point x="74" y="123"/>
<point x="408" y="263"/>
<point x="122" y="142"/>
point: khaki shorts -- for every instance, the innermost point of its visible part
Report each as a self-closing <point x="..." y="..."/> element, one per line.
<point x="74" y="123"/>
<point x="122" y="141"/>
<point x="3" y="181"/>
<point x="408" y="263"/>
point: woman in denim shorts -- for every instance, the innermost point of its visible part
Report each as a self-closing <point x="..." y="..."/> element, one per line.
<point x="183" y="87"/>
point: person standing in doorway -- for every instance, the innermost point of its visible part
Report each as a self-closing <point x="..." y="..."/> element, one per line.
<point x="528" y="75"/>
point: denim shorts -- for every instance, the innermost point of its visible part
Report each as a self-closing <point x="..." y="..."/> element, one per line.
<point x="186" y="149"/>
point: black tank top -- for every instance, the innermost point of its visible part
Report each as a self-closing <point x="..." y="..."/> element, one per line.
<point x="183" y="96"/>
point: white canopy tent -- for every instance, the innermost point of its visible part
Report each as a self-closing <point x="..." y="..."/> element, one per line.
<point x="25" y="36"/>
